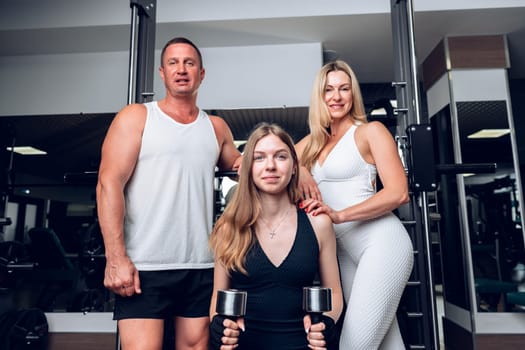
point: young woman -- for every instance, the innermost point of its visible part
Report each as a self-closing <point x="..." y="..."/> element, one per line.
<point x="344" y="154"/>
<point x="271" y="249"/>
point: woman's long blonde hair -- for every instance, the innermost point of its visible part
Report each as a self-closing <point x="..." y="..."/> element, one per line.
<point x="233" y="234"/>
<point x="319" y="115"/>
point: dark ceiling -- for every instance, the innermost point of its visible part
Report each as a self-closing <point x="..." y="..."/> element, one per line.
<point x="496" y="150"/>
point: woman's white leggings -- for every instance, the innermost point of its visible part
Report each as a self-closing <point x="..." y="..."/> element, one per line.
<point x="376" y="259"/>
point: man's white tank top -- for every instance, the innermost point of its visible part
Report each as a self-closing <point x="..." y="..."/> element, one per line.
<point x="170" y="196"/>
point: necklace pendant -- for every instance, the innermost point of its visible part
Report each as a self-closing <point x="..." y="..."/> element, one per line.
<point x="272" y="233"/>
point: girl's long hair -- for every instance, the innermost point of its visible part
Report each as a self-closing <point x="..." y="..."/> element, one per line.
<point x="233" y="234"/>
<point x="319" y="115"/>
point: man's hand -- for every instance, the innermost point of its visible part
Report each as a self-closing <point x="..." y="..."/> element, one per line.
<point x="237" y="164"/>
<point x="121" y="276"/>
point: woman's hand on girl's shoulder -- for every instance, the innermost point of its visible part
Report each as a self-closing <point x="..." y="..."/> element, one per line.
<point x="315" y="208"/>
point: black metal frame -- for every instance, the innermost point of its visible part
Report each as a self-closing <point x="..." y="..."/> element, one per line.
<point x="418" y="306"/>
<point x="142" y="50"/>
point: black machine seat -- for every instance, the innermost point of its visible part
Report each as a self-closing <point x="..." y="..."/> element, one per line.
<point x="53" y="270"/>
<point x="47" y="250"/>
<point x="13" y="260"/>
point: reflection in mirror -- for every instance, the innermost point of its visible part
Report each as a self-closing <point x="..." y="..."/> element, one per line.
<point x="454" y="270"/>
<point x="493" y="209"/>
<point x="52" y="256"/>
<point x="51" y="252"/>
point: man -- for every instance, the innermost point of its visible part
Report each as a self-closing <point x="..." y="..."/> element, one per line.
<point x="155" y="205"/>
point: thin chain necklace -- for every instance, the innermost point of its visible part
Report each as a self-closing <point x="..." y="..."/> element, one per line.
<point x="273" y="231"/>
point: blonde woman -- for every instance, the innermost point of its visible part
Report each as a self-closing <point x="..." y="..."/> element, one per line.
<point x="345" y="154"/>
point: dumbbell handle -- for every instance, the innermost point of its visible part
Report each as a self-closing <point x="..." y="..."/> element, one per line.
<point x="316" y="317"/>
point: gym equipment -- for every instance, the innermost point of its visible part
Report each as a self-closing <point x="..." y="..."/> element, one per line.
<point x="91" y="263"/>
<point x="231" y="303"/>
<point x="317" y="300"/>
<point x="53" y="269"/>
<point x="14" y="259"/>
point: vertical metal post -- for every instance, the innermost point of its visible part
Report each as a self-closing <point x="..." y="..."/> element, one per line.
<point x="408" y="97"/>
<point x="414" y="85"/>
<point x="133" y="54"/>
<point x="7" y="139"/>
<point x="142" y="50"/>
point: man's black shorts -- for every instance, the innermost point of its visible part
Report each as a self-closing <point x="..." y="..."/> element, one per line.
<point x="185" y="293"/>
